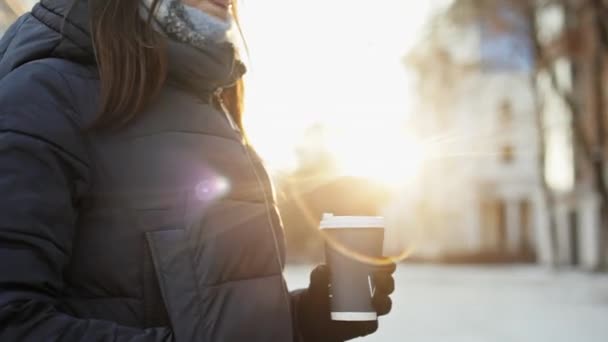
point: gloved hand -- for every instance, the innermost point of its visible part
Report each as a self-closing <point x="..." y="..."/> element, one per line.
<point x="313" y="313"/>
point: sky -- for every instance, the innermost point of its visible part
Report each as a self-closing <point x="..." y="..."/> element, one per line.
<point x="338" y="63"/>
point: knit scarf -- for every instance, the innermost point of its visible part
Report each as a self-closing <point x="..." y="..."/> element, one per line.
<point x="187" y="24"/>
<point x="202" y="54"/>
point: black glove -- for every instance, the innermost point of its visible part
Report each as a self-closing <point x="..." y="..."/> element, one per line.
<point x="313" y="314"/>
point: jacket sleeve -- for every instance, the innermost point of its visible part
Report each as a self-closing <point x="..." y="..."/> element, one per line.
<point x="37" y="217"/>
<point x="40" y="181"/>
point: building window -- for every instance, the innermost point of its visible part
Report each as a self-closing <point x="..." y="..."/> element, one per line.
<point x="506" y="113"/>
<point x="507" y="154"/>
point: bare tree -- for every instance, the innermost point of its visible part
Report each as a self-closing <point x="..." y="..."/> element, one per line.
<point x="583" y="42"/>
<point x="529" y="10"/>
<point x="599" y="152"/>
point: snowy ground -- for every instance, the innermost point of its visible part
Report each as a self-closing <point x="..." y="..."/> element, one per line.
<point x="495" y="304"/>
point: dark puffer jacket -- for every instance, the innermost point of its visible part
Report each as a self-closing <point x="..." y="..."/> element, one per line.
<point x="166" y="230"/>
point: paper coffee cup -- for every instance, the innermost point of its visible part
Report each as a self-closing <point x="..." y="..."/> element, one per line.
<point x="351" y="241"/>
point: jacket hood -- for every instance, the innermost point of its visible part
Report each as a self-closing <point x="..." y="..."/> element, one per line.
<point x="37" y="35"/>
<point x="61" y="29"/>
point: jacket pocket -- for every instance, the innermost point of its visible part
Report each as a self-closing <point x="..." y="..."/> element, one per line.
<point x="174" y="269"/>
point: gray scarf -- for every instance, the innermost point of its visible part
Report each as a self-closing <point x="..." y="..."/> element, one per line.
<point x="202" y="55"/>
<point x="187" y="24"/>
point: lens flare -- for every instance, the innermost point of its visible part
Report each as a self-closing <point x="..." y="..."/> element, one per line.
<point x="362" y="258"/>
<point x="401" y="254"/>
<point x="213" y="188"/>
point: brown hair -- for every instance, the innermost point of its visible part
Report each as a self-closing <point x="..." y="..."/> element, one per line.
<point x="132" y="63"/>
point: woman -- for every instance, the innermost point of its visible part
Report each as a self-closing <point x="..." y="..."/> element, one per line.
<point x="133" y="209"/>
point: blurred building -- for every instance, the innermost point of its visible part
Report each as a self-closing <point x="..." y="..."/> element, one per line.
<point x="481" y="187"/>
<point x="482" y="192"/>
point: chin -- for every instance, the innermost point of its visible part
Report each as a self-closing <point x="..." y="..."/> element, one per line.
<point x="213" y="10"/>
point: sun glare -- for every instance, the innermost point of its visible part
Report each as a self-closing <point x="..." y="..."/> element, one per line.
<point x="386" y="156"/>
<point x="338" y="64"/>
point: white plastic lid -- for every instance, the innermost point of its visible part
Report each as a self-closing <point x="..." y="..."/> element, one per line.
<point x="330" y="221"/>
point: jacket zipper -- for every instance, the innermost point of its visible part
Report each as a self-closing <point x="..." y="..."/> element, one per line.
<point x="261" y="186"/>
<point x="235" y="127"/>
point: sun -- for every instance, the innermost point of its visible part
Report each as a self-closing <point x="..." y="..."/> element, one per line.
<point x="317" y="62"/>
<point x="383" y="155"/>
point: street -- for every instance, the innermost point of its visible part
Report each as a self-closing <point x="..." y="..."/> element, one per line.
<point x="490" y="304"/>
